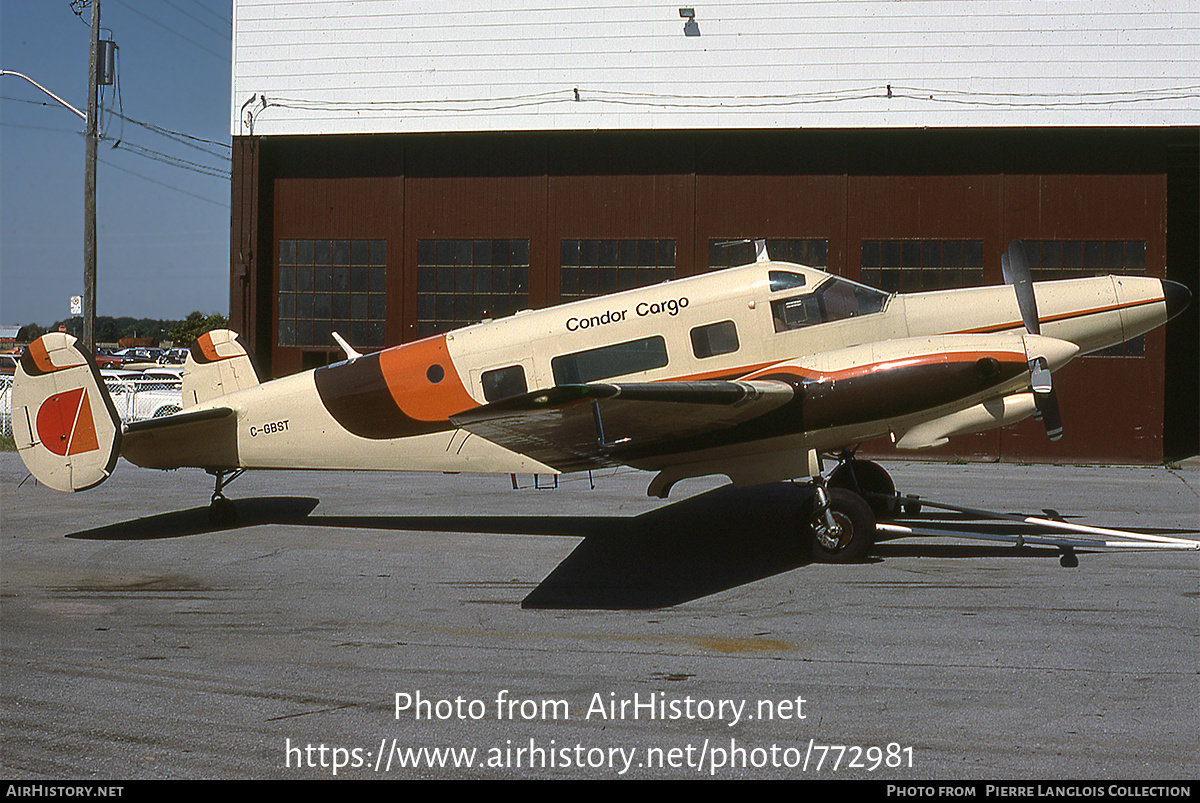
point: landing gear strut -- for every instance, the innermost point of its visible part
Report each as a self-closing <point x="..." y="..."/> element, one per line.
<point x="841" y="523"/>
<point x="869" y="480"/>
<point x="222" y="512"/>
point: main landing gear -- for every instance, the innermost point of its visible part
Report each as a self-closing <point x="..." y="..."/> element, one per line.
<point x="843" y="512"/>
<point x="841" y="522"/>
<point x="222" y="512"/>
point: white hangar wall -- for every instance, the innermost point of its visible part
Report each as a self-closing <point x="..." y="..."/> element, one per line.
<point x="390" y="66"/>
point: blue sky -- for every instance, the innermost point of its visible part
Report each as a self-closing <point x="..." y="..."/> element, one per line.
<point x="162" y="227"/>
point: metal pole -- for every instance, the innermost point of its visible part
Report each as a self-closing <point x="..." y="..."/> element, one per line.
<point x="89" y="192"/>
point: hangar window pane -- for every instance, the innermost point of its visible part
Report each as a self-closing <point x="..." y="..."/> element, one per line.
<point x="619" y="359"/>
<point x="461" y="282"/>
<point x="328" y="286"/>
<point x="597" y="267"/>
<point x="730" y="252"/>
<point x="909" y="266"/>
<point x="1050" y="260"/>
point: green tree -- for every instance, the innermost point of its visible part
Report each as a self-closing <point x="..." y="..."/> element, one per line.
<point x="197" y="323"/>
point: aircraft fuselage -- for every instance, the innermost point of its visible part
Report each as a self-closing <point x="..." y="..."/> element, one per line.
<point x="861" y="364"/>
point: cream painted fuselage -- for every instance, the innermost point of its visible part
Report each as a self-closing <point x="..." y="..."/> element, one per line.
<point x="868" y="365"/>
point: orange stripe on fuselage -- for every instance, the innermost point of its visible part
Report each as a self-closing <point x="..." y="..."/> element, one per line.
<point x="887" y="365"/>
<point x="1064" y="316"/>
<point x="410" y="371"/>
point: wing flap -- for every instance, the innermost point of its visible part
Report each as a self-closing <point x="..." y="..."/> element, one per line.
<point x="579" y="427"/>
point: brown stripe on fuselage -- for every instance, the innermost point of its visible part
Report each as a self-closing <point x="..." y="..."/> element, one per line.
<point x="879" y="391"/>
<point x="406" y="390"/>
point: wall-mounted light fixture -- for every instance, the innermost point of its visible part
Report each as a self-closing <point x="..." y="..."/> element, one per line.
<point x="690" y="28"/>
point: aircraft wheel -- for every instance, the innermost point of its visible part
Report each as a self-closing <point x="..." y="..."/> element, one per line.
<point x="853" y="532"/>
<point x="866" y="478"/>
<point x="222" y="512"/>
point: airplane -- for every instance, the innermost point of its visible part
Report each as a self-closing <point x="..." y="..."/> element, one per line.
<point x="751" y="372"/>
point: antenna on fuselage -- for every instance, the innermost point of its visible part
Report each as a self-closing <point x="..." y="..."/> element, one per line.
<point x="349" y="350"/>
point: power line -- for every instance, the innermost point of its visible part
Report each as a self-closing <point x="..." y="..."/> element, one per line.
<point x="167" y="159"/>
<point x="197" y="20"/>
<point x="168" y="29"/>
<point x="162" y="184"/>
<point x="221" y="17"/>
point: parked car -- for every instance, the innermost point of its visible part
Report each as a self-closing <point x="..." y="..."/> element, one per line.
<point x="106" y="360"/>
<point x="175" y="356"/>
<point x="138" y="354"/>
<point x="137" y="398"/>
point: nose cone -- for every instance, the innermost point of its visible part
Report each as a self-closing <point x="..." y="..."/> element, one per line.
<point x="1177" y="296"/>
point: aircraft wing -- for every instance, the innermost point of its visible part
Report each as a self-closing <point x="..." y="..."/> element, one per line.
<point x="579" y="427"/>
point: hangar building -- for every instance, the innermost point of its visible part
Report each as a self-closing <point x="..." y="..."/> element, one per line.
<point x="403" y="167"/>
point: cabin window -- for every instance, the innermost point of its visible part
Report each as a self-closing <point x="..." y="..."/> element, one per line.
<point x="461" y="282"/>
<point x="730" y="252"/>
<point x="596" y="267"/>
<point x="504" y="383"/>
<point x="620" y="359"/>
<point x="328" y="286"/>
<point x="834" y="300"/>
<point x="714" y="339"/>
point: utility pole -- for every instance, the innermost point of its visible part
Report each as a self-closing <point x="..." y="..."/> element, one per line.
<point x="89" y="192"/>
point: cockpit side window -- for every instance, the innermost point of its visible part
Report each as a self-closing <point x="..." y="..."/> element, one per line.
<point x="834" y="300"/>
<point x="785" y="280"/>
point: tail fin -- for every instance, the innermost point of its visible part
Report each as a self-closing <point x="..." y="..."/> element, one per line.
<point x="65" y="426"/>
<point x="217" y="364"/>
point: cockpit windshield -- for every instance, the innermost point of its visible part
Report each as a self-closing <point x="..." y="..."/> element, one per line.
<point x="832" y="300"/>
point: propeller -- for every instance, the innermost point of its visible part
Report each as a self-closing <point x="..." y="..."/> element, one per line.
<point x="1015" y="267"/>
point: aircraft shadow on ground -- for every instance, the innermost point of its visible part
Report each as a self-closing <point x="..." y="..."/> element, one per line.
<point x="195" y="521"/>
<point x="712" y="542"/>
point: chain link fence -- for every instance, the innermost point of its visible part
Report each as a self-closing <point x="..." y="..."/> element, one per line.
<point x="135" y="399"/>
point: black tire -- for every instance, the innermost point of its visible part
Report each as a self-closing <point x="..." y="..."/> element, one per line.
<point x="867" y="478"/>
<point x="222" y="512"/>
<point x="856" y="528"/>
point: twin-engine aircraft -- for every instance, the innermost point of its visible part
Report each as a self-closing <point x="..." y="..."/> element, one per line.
<point x="749" y="372"/>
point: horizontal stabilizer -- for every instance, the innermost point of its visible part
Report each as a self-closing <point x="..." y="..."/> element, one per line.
<point x="66" y="428"/>
<point x="194" y="438"/>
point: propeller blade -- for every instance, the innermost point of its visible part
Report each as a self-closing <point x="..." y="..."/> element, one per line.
<point x="1047" y="407"/>
<point x="1015" y="268"/>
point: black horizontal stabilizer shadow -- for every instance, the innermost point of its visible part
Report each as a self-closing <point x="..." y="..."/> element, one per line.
<point x="195" y="521"/>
